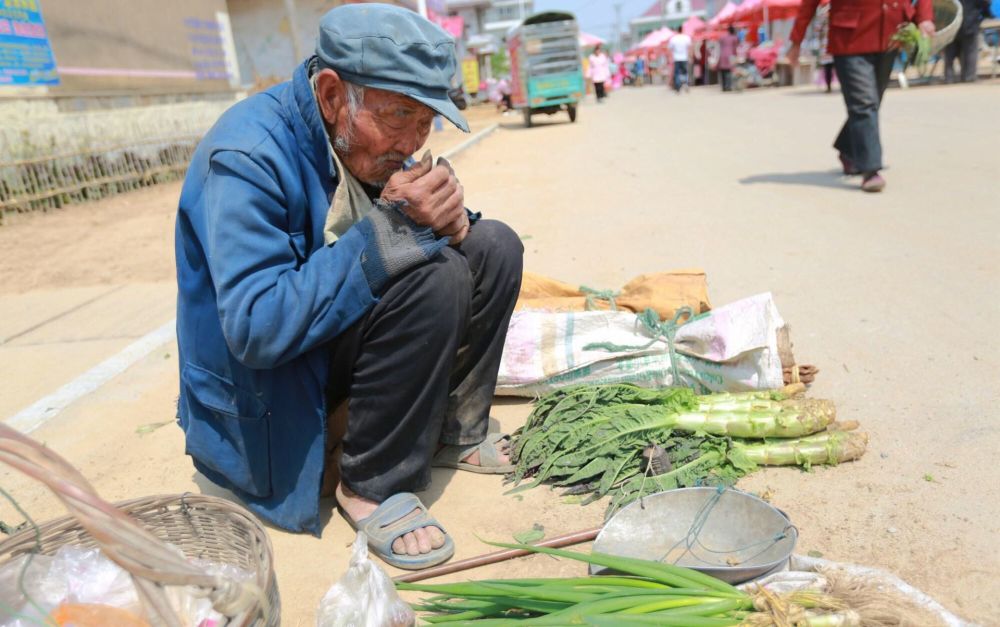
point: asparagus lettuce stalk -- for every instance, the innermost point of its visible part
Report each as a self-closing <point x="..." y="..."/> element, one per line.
<point x="590" y="438"/>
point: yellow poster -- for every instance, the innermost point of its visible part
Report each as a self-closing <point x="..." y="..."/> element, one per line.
<point x="470" y="74"/>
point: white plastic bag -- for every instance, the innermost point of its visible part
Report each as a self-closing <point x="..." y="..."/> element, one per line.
<point x="74" y="575"/>
<point x="364" y="596"/>
<point x="811" y="573"/>
<point x="729" y="349"/>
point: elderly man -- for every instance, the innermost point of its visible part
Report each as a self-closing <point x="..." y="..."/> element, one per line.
<point x="319" y="265"/>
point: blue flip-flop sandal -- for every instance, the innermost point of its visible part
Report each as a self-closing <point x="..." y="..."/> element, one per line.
<point x="451" y="456"/>
<point x="387" y="523"/>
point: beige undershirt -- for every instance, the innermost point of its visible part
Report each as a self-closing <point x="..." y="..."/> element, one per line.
<point x="350" y="203"/>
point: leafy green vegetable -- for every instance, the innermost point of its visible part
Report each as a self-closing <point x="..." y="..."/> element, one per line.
<point x="589" y="439"/>
<point x="916" y="45"/>
<point x="530" y="536"/>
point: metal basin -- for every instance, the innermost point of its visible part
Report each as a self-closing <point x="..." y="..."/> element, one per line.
<point x="728" y="534"/>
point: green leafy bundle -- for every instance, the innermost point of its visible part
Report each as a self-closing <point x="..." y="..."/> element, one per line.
<point x="650" y="593"/>
<point x="590" y="439"/>
<point x="915" y="44"/>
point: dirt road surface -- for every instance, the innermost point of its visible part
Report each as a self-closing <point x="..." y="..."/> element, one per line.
<point x="894" y="296"/>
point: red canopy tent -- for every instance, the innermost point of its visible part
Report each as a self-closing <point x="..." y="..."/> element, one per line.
<point x="721" y="18"/>
<point x="757" y="11"/>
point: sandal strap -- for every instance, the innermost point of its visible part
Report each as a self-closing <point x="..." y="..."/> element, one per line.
<point x="489" y="456"/>
<point x="388" y="518"/>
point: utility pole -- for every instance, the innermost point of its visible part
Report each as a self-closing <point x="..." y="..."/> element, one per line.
<point x="293" y="26"/>
<point x="618" y="26"/>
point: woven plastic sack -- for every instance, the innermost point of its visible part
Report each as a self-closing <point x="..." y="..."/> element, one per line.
<point x="869" y="584"/>
<point x="732" y="348"/>
<point x="364" y="596"/>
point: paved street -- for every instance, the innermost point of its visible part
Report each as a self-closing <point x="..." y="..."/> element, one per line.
<point x="895" y="297"/>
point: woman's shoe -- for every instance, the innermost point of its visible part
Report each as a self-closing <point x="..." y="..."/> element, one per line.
<point x="872" y="182"/>
<point x="849" y="169"/>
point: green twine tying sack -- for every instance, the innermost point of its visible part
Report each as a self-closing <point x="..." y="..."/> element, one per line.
<point x="659" y="330"/>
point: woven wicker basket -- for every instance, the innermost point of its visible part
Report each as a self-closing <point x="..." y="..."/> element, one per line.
<point x="134" y="534"/>
<point x="947" y="20"/>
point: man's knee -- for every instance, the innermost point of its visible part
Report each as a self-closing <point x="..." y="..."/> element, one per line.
<point x="442" y="286"/>
<point x="500" y="244"/>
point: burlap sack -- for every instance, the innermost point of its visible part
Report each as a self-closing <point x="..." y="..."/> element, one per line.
<point x="663" y="292"/>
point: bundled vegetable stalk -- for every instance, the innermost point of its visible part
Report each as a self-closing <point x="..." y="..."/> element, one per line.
<point x="649" y="593"/>
<point x="915" y="44"/>
<point x="591" y="439"/>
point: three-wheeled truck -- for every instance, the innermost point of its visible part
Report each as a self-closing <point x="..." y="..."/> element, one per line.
<point x="546" y="73"/>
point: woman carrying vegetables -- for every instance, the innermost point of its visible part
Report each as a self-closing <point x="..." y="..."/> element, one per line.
<point x="860" y="41"/>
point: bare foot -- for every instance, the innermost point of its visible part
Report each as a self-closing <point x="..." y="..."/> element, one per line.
<point x="503" y="449"/>
<point x="418" y="541"/>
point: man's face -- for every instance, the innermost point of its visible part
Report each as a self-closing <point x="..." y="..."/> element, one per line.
<point x="386" y="130"/>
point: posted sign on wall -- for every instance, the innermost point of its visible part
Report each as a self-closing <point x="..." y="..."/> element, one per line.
<point x="25" y="55"/>
<point x="470" y="75"/>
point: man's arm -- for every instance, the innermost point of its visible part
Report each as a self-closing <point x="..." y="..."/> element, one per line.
<point x="271" y="310"/>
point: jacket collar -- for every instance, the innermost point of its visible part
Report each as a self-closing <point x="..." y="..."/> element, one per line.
<point x="309" y="129"/>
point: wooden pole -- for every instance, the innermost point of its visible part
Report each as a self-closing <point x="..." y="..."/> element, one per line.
<point x="497" y="556"/>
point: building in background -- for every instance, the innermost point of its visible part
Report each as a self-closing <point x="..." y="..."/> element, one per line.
<point x="484" y="34"/>
<point x="99" y="51"/>
<point x="272" y="37"/>
<point x="662" y="13"/>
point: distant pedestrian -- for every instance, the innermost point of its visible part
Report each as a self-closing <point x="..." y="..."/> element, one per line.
<point x="965" y="46"/>
<point x="680" y="51"/>
<point x="639" y="70"/>
<point x="727" y="57"/>
<point x="824" y="57"/>
<point x="859" y="40"/>
<point x="599" y="71"/>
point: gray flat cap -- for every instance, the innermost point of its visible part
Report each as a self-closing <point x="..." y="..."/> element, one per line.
<point x="388" y="47"/>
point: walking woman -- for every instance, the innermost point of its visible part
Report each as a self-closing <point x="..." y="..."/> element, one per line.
<point x="859" y="40"/>
<point x="600" y="71"/>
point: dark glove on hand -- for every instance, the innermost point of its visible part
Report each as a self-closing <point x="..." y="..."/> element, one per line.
<point x="394" y="243"/>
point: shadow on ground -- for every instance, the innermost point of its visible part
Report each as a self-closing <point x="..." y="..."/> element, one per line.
<point x="822" y="178"/>
<point x="441" y="477"/>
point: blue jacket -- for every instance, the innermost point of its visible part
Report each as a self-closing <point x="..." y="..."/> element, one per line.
<point x="260" y="296"/>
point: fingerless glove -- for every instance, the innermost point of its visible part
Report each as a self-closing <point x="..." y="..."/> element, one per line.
<point x="394" y="243"/>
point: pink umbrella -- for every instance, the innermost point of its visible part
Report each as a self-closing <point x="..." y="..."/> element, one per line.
<point x="588" y="41"/>
<point x="693" y="25"/>
<point x="656" y="38"/>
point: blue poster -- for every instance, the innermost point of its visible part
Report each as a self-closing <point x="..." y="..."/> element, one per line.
<point x="25" y="55"/>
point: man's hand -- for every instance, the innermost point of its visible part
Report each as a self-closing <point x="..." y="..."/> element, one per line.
<point x="794" y="52"/>
<point x="458" y="229"/>
<point x="927" y="28"/>
<point x="432" y="194"/>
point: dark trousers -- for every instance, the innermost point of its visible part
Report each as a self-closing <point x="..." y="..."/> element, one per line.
<point x="680" y="74"/>
<point x="726" y="78"/>
<point x="863" y="79"/>
<point x="599" y="89"/>
<point x="828" y="76"/>
<point x="421" y="367"/>
<point x="964" y="48"/>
